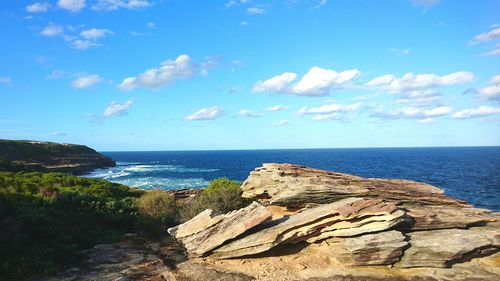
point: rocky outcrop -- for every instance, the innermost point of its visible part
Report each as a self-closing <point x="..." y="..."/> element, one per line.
<point x="347" y="217"/>
<point x="295" y="186"/>
<point x="50" y="157"/>
<point x="207" y="231"/>
<point x="333" y="226"/>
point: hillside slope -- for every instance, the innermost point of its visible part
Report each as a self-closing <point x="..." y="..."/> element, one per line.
<point x="16" y="155"/>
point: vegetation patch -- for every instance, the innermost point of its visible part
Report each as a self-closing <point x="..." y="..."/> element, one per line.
<point x="45" y="218"/>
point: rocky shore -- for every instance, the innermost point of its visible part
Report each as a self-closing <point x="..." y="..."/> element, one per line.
<point x="309" y="224"/>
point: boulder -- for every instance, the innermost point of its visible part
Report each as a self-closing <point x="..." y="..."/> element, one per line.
<point x="383" y="248"/>
<point x="347" y="217"/>
<point x="206" y="231"/>
<point x="296" y="186"/>
<point x="443" y="248"/>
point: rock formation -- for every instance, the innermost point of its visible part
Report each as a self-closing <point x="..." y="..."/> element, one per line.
<point x="206" y="231"/>
<point x="347" y="217"/>
<point x="333" y="226"/>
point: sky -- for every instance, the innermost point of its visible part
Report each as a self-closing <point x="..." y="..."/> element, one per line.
<point x="250" y="74"/>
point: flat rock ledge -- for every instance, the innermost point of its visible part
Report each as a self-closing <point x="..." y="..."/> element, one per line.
<point x="310" y="224"/>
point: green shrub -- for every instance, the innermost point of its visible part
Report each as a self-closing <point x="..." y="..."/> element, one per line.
<point x="46" y="217"/>
<point x="157" y="212"/>
<point x="222" y="195"/>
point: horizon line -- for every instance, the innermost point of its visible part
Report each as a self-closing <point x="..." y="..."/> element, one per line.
<point x="305" y="148"/>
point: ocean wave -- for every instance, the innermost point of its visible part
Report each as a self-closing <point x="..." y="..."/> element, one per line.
<point x="151" y="176"/>
<point x="162" y="183"/>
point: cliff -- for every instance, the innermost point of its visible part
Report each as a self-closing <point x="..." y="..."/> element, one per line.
<point x="20" y="155"/>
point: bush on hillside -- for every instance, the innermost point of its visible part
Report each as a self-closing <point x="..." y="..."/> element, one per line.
<point x="157" y="212"/>
<point x="45" y="218"/>
<point x="222" y="195"/>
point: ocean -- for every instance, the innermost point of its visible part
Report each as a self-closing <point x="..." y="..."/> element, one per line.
<point x="468" y="173"/>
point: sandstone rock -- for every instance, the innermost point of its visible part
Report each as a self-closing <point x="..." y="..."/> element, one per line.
<point x="206" y="232"/>
<point x="199" y="223"/>
<point x="385" y="248"/>
<point x="294" y="185"/>
<point x="347" y="217"/>
<point x="429" y="217"/>
<point x="443" y="248"/>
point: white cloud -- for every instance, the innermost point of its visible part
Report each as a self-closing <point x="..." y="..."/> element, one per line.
<point x="71" y="5"/>
<point x="154" y="78"/>
<point x="5" y="80"/>
<point x="244" y="23"/>
<point x="209" y="113"/>
<point x="329" y="111"/>
<point x="419" y="98"/>
<point x="52" y="30"/>
<point x="278" y="83"/>
<point x="256" y="11"/>
<point x="117" y="109"/>
<point x="412" y="82"/>
<point x="481" y="111"/>
<point x="493" y="52"/>
<point x="85" y="39"/>
<point x="329" y="108"/>
<point x="427" y="120"/>
<point x="95" y="33"/>
<point x="487" y="36"/>
<point x="278" y="107"/>
<point x="492" y="91"/>
<point x="84" y="44"/>
<point x="38" y="7"/>
<point x="249" y="113"/>
<point x="381" y="80"/>
<point x="412" y="113"/>
<point x="85" y="81"/>
<point x="151" y="25"/>
<point x="316" y="82"/>
<point x="281" y="123"/>
<point x="111" y="5"/>
<point x="319" y="81"/>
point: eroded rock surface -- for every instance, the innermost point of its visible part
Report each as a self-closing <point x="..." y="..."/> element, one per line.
<point x="347" y="217"/>
<point x="428" y="217"/>
<point x="384" y="248"/>
<point x="294" y="185"/>
<point x="443" y="248"/>
<point x="206" y="232"/>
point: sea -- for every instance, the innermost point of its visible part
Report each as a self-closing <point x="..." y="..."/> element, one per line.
<point x="468" y="173"/>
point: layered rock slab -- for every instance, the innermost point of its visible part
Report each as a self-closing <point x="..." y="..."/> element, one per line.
<point x="344" y="218"/>
<point x="443" y="248"/>
<point x="295" y="186"/>
<point x="207" y="231"/>
<point x="384" y="248"/>
<point x="430" y="217"/>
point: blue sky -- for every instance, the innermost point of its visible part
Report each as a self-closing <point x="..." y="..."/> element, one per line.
<point x="186" y="74"/>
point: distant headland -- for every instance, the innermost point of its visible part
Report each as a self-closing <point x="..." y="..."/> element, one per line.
<point x="22" y="155"/>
